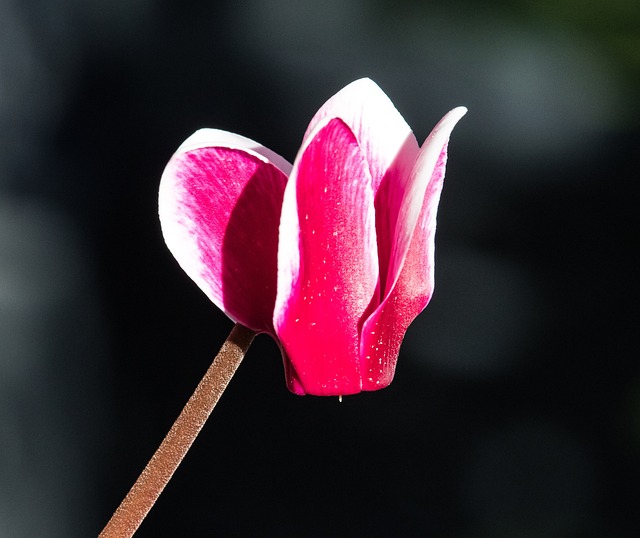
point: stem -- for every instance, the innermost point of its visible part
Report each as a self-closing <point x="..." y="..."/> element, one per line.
<point x="144" y="493"/>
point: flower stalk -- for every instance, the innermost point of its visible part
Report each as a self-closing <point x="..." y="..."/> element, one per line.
<point x="156" y="475"/>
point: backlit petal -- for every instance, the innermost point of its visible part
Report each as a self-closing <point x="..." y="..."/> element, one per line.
<point x="422" y="191"/>
<point x="219" y="204"/>
<point x="411" y="275"/>
<point x="389" y="146"/>
<point x="327" y="263"/>
<point x="380" y="129"/>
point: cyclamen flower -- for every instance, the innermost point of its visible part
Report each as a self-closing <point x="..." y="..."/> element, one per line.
<point x="334" y="255"/>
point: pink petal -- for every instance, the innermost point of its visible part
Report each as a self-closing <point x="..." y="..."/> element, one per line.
<point x="422" y="191"/>
<point x="381" y="131"/>
<point x="411" y="273"/>
<point x="327" y="263"/>
<point x="219" y="204"/>
<point x="389" y="146"/>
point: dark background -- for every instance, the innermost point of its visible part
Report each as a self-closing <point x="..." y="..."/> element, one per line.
<point x="515" y="411"/>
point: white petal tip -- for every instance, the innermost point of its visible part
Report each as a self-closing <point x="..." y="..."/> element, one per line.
<point x="455" y="115"/>
<point x="216" y="138"/>
<point x="441" y="132"/>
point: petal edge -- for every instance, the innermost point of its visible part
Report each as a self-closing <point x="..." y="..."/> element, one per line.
<point x="219" y="205"/>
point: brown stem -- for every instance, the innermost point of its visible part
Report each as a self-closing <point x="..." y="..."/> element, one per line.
<point x="144" y="493"/>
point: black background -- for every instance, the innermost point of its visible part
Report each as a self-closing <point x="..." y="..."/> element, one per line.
<point x="516" y="406"/>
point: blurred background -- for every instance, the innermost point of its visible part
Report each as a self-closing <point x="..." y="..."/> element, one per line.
<point x="515" y="411"/>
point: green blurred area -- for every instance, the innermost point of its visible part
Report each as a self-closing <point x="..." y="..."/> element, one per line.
<point x="612" y="25"/>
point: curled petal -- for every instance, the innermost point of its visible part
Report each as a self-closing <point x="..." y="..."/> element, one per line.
<point x="411" y="274"/>
<point x="422" y="193"/>
<point x="219" y="205"/>
<point x="327" y="263"/>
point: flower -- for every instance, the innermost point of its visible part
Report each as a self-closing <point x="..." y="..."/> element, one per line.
<point x="333" y="255"/>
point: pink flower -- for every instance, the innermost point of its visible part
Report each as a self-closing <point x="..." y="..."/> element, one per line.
<point x="333" y="256"/>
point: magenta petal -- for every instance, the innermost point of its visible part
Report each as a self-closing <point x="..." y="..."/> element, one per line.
<point x="389" y="146"/>
<point x="327" y="262"/>
<point x="411" y="268"/>
<point x="380" y="129"/>
<point x="421" y="194"/>
<point x="219" y="204"/>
